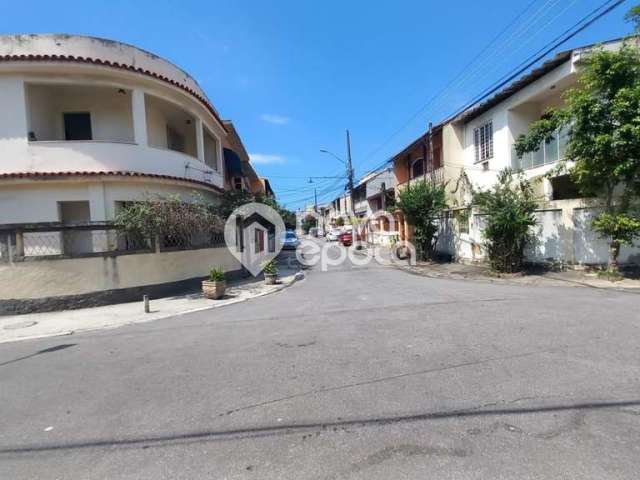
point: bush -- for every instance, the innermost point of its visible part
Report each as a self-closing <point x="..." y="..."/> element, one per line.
<point x="270" y="267"/>
<point x="422" y="205"/>
<point x="509" y="208"/>
<point x="216" y="274"/>
<point x="169" y="217"/>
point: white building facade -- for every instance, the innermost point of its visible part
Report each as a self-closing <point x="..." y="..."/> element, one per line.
<point x="87" y="124"/>
<point x="479" y="143"/>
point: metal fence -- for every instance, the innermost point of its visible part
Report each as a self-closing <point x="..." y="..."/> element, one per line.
<point x="52" y="240"/>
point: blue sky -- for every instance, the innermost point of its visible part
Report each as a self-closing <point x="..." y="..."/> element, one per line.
<point x="293" y="75"/>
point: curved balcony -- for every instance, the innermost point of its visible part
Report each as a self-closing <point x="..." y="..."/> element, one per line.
<point x="101" y="156"/>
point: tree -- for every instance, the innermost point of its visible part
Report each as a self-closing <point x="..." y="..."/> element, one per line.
<point x="422" y="205"/>
<point x="509" y="209"/>
<point x="232" y="199"/>
<point x="308" y="222"/>
<point x="603" y="117"/>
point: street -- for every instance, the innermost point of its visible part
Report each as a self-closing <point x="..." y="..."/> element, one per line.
<point x="360" y="372"/>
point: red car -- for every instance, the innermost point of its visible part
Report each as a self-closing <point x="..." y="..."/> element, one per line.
<point x="346" y="238"/>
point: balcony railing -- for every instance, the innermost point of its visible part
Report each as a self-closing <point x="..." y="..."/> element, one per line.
<point x="437" y="176"/>
<point x="548" y="152"/>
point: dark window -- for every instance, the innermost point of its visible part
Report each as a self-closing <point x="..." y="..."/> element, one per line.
<point x="564" y="188"/>
<point x="417" y="168"/>
<point x="77" y="126"/>
<point x="237" y="183"/>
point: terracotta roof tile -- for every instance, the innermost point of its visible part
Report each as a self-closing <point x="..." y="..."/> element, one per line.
<point x="118" y="173"/>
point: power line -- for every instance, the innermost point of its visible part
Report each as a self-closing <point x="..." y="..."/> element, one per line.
<point x="455" y="79"/>
<point x="555" y="43"/>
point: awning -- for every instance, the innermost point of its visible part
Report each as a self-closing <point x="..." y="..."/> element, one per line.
<point x="232" y="163"/>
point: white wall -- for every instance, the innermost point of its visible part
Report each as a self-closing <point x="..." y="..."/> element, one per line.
<point x="111" y="118"/>
<point x="50" y="278"/>
<point x="563" y="234"/>
<point x="511" y="118"/>
<point x="19" y="155"/>
<point x="30" y="202"/>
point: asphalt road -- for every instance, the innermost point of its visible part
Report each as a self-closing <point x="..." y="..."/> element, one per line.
<point x="359" y="372"/>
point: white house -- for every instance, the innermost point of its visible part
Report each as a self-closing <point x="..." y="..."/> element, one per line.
<point x="88" y="123"/>
<point x="478" y="143"/>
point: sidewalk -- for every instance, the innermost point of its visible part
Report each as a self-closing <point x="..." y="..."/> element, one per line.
<point x="481" y="272"/>
<point x="36" y="325"/>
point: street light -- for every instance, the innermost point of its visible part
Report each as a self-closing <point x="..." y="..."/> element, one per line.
<point x="333" y="155"/>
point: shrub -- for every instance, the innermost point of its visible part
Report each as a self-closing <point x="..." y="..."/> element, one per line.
<point x="216" y="274"/>
<point x="509" y="209"/>
<point x="270" y="267"/>
<point x="168" y="216"/>
<point x="422" y="205"/>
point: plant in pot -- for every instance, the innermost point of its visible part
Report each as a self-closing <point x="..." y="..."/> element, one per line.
<point x="270" y="270"/>
<point x="215" y="286"/>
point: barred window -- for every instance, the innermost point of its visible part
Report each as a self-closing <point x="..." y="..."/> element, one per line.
<point x="483" y="142"/>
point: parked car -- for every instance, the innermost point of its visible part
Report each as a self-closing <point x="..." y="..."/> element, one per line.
<point x="346" y="238"/>
<point x="290" y="240"/>
<point x="332" y="235"/>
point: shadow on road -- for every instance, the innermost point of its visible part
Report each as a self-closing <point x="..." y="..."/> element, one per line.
<point x="39" y="352"/>
<point x="280" y="430"/>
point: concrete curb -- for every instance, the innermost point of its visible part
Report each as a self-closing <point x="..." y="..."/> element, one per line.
<point x="505" y="281"/>
<point x="299" y="275"/>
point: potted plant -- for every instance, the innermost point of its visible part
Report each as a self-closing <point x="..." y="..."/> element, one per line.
<point x="270" y="270"/>
<point x="215" y="286"/>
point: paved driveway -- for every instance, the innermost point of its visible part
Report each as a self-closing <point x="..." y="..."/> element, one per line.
<point x="359" y="372"/>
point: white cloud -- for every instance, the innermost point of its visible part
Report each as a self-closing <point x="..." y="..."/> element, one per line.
<point x="275" y="119"/>
<point x="265" y="159"/>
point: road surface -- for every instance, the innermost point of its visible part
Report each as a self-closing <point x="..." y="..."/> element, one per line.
<point x="360" y="372"/>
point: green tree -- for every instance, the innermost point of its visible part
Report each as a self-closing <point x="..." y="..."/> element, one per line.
<point x="509" y="209"/>
<point x="308" y="222"/>
<point x="603" y="116"/>
<point x="422" y="205"/>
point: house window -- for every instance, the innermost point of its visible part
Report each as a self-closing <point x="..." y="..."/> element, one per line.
<point x="77" y="126"/>
<point x="417" y="168"/>
<point x="462" y="219"/>
<point x="175" y="141"/>
<point x="483" y="142"/>
<point x="237" y="183"/>
<point x="259" y="241"/>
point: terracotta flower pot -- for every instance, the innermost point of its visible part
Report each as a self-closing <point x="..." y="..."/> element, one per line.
<point x="213" y="290"/>
<point x="270" y="278"/>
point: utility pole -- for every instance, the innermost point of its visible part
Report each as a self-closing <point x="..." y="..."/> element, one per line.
<point x="350" y="170"/>
<point x="433" y="173"/>
<point x="354" y="231"/>
<point x="315" y="199"/>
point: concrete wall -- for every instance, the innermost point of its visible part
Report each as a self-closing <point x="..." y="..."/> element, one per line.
<point x="37" y="201"/>
<point x="563" y="234"/>
<point x="52" y="278"/>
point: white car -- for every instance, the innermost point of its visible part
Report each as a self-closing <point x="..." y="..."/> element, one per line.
<point x="332" y="235"/>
